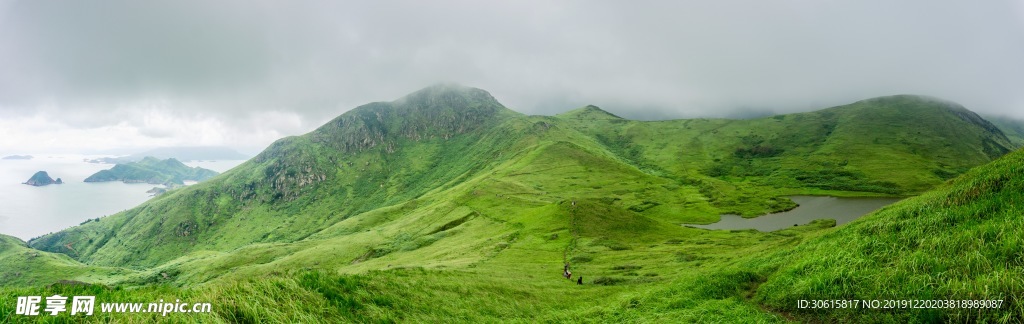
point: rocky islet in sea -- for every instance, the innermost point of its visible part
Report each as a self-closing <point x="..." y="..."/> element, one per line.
<point x="41" y="178"/>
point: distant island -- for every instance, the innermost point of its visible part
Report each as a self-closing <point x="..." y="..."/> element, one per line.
<point x="41" y="178"/>
<point x="153" y="171"/>
<point x="156" y="191"/>
<point x="17" y="157"/>
<point x="181" y="153"/>
<point x="110" y="160"/>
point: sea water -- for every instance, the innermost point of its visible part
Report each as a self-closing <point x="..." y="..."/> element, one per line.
<point x="28" y="211"/>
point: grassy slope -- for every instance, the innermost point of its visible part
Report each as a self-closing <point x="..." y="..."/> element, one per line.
<point x="894" y="145"/>
<point x="1012" y="127"/>
<point x="385" y="154"/>
<point x="21" y="266"/>
<point x="502" y="261"/>
<point x="312" y="220"/>
<point x="964" y="240"/>
<point x="300" y="185"/>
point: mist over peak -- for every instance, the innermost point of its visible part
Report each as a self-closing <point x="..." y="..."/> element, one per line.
<point x="245" y="74"/>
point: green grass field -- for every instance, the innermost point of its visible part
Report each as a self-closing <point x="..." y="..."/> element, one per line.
<point x="445" y="206"/>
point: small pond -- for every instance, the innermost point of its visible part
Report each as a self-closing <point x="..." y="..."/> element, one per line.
<point x="843" y="210"/>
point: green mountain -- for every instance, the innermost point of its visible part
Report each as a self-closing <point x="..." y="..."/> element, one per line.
<point x="1013" y="128"/>
<point x="445" y="194"/>
<point x="154" y="171"/>
<point x="590" y="112"/>
<point x="896" y="145"/>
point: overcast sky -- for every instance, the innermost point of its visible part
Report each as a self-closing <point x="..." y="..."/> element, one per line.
<point x="102" y="75"/>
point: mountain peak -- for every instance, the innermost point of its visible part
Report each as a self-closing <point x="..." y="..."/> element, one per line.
<point x="449" y="95"/>
<point x="445" y="87"/>
<point x="588" y="112"/>
<point x="920" y="104"/>
<point x="441" y="111"/>
<point x="908" y="100"/>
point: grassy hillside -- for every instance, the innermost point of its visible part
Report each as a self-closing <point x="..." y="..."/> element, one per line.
<point x="964" y="240"/>
<point x="359" y="162"/>
<point x="890" y="145"/>
<point x="447" y="195"/>
<point x="1013" y="128"/>
<point x="21" y="266"/>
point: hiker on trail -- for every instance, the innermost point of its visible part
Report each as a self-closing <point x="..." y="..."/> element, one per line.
<point x="579" y="281"/>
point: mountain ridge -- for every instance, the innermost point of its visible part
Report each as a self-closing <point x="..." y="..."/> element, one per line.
<point x="438" y="141"/>
<point x="363" y="220"/>
<point x="588" y="112"/>
<point x="1012" y="127"/>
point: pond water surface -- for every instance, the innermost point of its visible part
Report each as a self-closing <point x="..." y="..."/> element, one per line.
<point x="843" y="210"/>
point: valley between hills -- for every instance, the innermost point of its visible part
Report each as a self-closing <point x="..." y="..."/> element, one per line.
<point x="445" y="205"/>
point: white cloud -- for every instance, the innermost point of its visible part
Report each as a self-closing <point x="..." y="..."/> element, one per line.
<point x="145" y="128"/>
<point x="242" y="72"/>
